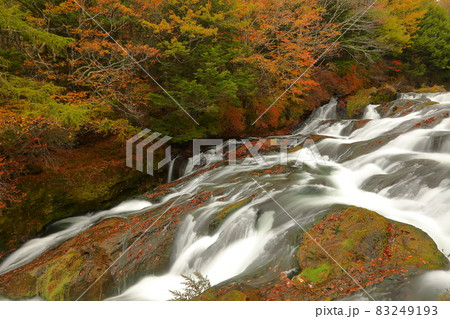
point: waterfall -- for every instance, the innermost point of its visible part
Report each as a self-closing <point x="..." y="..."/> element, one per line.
<point x="371" y="112"/>
<point x="325" y="112"/>
<point x="65" y="229"/>
<point x="170" y="170"/>
<point x="244" y="241"/>
<point x="398" y="166"/>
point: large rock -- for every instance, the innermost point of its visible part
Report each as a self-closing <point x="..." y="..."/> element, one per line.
<point x="383" y="94"/>
<point x="84" y="265"/>
<point x="87" y="178"/>
<point x="343" y="253"/>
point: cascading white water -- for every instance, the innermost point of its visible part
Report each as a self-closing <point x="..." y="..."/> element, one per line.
<point x="208" y="254"/>
<point x="68" y="228"/>
<point x="220" y="256"/>
<point x="325" y="112"/>
<point x="391" y="165"/>
<point x="371" y="112"/>
<point x="170" y="170"/>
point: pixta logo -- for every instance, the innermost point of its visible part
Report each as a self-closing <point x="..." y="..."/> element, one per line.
<point x="143" y="145"/>
<point x="146" y="143"/>
<point x="307" y="153"/>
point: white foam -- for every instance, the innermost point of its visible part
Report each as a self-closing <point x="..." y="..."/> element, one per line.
<point x="74" y="225"/>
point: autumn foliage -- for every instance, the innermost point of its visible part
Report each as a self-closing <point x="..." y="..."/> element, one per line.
<point x="108" y="68"/>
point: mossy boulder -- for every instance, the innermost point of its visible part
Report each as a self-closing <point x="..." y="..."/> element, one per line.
<point x="63" y="276"/>
<point x="317" y="274"/>
<point x="346" y="251"/>
<point x="357" y="248"/>
<point x="356" y="236"/>
<point x="383" y="94"/>
<point x="58" y="276"/>
<point x="357" y="102"/>
<point x="431" y="89"/>
<point x="89" y="178"/>
<point x="88" y="265"/>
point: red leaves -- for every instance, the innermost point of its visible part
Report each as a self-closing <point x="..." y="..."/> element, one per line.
<point x="334" y="218"/>
<point x="424" y="122"/>
<point x="236" y="120"/>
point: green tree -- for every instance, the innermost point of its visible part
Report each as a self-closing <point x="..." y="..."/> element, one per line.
<point x="429" y="53"/>
<point x="198" y="46"/>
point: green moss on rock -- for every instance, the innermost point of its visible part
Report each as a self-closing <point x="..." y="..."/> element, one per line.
<point x="432" y="89"/>
<point x="357" y="236"/>
<point x="225" y="212"/>
<point x="233" y="292"/>
<point x="367" y="246"/>
<point x="352" y="249"/>
<point x="384" y="94"/>
<point x="317" y="274"/>
<point x="88" y="179"/>
<point x="233" y="295"/>
<point x="56" y="281"/>
<point x="358" y="101"/>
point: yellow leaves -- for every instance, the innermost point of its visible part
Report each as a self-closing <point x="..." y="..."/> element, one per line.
<point x="189" y="24"/>
<point x="124" y="10"/>
<point x="194" y="30"/>
<point x="63" y="8"/>
<point x="400" y="20"/>
<point x="162" y="26"/>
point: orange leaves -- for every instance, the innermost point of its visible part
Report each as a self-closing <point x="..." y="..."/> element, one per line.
<point x="236" y="119"/>
<point x="73" y="97"/>
<point x="352" y="81"/>
<point x="144" y="49"/>
<point x="286" y="37"/>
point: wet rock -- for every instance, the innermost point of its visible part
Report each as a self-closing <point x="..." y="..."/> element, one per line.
<point x="88" y="178"/>
<point x="236" y="292"/>
<point x="345" y="252"/>
<point x="367" y="246"/>
<point x="83" y="266"/>
<point x="225" y="212"/>
<point x="384" y="94"/>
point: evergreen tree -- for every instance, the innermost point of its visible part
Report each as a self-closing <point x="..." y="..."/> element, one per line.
<point x="429" y="53"/>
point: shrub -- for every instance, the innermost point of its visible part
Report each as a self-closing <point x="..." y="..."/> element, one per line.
<point x="194" y="286"/>
<point x="358" y="101"/>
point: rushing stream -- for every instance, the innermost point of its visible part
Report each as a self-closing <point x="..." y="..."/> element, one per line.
<point x="392" y="164"/>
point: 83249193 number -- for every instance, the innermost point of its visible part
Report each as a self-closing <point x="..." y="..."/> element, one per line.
<point x="407" y="311"/>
